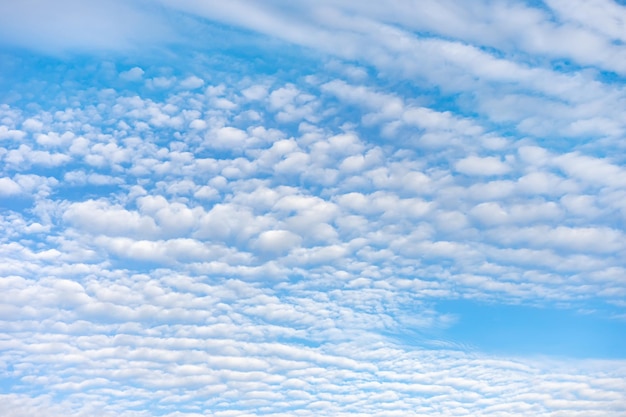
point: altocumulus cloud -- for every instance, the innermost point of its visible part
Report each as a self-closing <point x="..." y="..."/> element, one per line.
<point x="322" y="208"/>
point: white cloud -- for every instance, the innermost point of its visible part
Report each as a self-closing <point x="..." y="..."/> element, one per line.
<point x="583" y="205"/>
<point x="602" y="16"/>
<point x="255" y="92"/>
<point x="485" y="166"/>
<point x="227" y="137"/>
<point x="292" y="105"/>
<point x="32" y="125"/>
<point x="52" y="139"/>
<point x="36" y="184"/>
<point x="11" y="134"/>
<point x="594" y="171"/>
<point x="99" y="217"/>
<point x="161" y="82"/>
<point x="192" y="83"/>
<point x="133" y="74"/>
<point x="82" y="178"/>
<point x="9" y="187"/>
<point x="277" y="241"/>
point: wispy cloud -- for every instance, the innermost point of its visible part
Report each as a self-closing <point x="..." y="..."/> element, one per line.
<point x="80" y="26"/>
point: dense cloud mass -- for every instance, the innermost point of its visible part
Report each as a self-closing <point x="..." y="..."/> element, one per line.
<point x="304" y="209"/>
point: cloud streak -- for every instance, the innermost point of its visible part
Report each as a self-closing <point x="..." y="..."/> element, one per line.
<point x="71" y="25"/>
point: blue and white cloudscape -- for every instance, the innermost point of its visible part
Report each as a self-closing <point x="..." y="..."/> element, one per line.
<point x="312" y="208"/>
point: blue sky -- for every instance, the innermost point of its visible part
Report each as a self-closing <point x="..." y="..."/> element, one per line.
<point x="312" y="208"/>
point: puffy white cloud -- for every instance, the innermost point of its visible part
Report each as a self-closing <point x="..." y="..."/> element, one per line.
<point x="133" y="74"/>
<point x="485" y="166"/>
<point x="26" y="155"/>
<point x="192" y="82"/>
<point x="291" y="105"/>
<point x="255" y="92"/>
<point x="228" y="138"/>
<point x="32" y="125"/>
<point x="99" y="217"/>
<point x="277" y="241"/>
<point x="594" y="171"/>
<point x="82" y="178"/>
<point x="9" y="187"/>
<point x="11" y="134"/>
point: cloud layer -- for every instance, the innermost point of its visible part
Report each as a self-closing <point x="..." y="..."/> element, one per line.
<point x="248" y="233"/>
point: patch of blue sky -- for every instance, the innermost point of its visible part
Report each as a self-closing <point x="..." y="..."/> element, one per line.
<point x="16" y="203"/>
<point x="10" y="381"/>
<point x="535" y="330"/>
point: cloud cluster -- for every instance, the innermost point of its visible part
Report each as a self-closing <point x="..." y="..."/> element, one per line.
<point x="173" y="344"/>
<point x="518" y="220"/>
<point x="183" y="256"/>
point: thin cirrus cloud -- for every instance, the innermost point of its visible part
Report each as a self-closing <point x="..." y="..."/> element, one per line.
<point x="71" y="25"/>
<point x="350" y="210"/>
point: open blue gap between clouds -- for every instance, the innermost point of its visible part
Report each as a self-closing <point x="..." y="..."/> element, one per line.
<point x="527" y="330"/>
